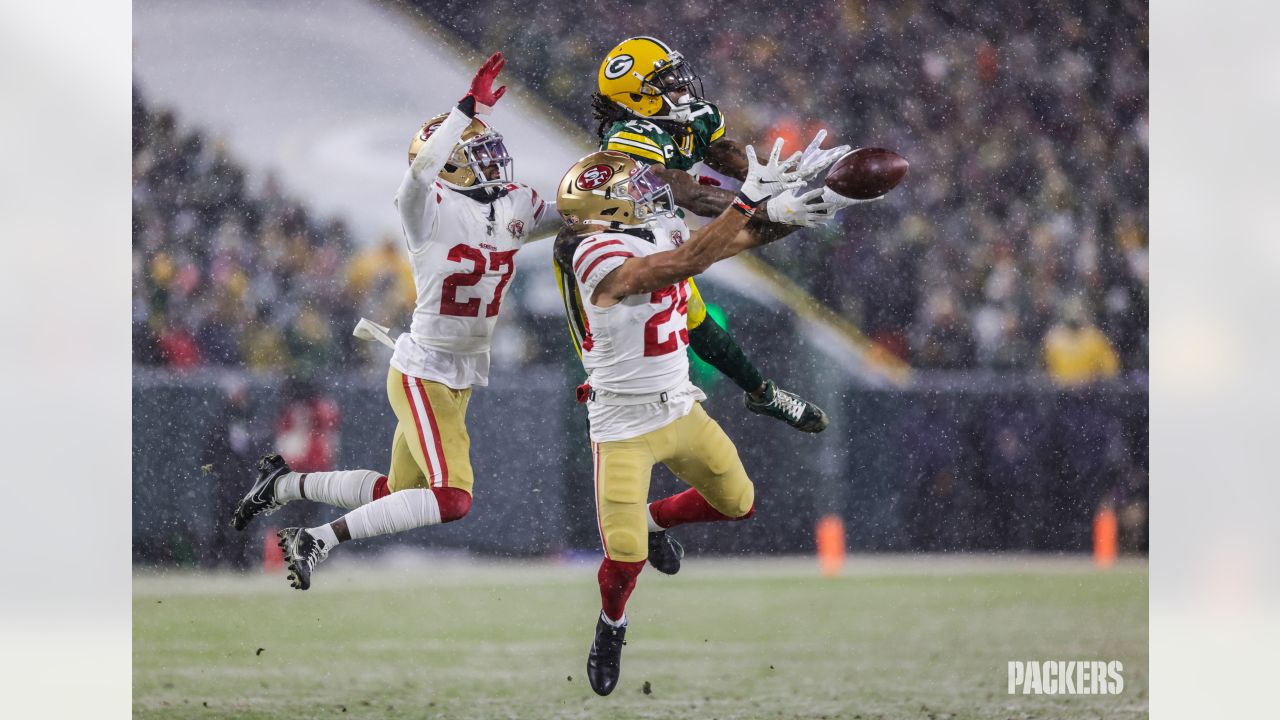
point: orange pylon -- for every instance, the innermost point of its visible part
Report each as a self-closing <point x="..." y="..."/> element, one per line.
<point x="831" y="549"/>
<point x="1105" y="538"/>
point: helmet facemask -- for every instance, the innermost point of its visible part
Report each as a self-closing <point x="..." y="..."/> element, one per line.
<point x="650" y="194"/>
<point x="674" y="76"/>
<point x="481" y="152"/>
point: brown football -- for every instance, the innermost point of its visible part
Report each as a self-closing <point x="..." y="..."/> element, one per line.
<point x="867" y="173"/>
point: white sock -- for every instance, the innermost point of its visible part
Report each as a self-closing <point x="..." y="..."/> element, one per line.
<point x="325" y="533"/>
<point x="619" y="623"/>
<point x="397" y="512"/>
<point x="348" y="489"/>
<point x="653" y="524"/>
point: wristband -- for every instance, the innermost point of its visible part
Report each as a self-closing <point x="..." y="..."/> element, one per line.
<point x="468" y="106"/>
<point x="746" y="205"/>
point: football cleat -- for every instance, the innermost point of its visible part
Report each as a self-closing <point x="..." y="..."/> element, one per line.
<point x="302" y="553"/>
<point x="604" y="662"/>
<point x="261" y="498"/>
<point x="789" y="408"/>
<point x="665" y="552"/>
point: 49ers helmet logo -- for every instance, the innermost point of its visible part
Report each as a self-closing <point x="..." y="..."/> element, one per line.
<point x="428" y="130"/>
<point x="593" y="177"/>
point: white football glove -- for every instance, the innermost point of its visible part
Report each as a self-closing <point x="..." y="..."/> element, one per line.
<point x="814" y="159"/>
<point x="806" y="210"/>
<point x="770" y="178"/>
<point x="839" y="202"/>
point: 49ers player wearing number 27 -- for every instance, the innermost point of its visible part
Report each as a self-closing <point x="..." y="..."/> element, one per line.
<point x="633" y="278"/>
<point x="464" y="219"/>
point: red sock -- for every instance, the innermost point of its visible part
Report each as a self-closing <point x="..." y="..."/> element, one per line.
<point x="454" y="503"/>
<point x="688" y="507"/>
<point x="617" y="580"/>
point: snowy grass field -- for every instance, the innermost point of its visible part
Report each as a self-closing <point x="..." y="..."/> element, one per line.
<point x="892" y="637"/>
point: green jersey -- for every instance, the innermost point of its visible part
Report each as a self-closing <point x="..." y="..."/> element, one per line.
<point x="644" y="140"/>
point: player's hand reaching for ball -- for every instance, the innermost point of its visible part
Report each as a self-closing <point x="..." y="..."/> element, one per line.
<point x="770" y="178"/>
<point x="802" y="210"/>
<point x="815" y="160"/>
<point x="482" y="92"/>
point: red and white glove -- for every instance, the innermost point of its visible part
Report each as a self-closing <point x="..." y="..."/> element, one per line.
<point x="482" y="97"/>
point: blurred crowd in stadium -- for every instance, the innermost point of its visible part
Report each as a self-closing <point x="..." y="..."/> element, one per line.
<point x="1021" y="232"/>
<point x="1017" y="243"/>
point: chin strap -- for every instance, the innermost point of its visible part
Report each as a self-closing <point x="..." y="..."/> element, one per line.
<point x="637" y="232"/>
<point x="486" y="194"/>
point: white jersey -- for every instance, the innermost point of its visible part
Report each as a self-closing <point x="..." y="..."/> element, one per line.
<point x="463" y="257"/>
<point x="637" y="347"/>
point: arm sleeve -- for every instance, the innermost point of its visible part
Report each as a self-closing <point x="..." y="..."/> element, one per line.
<point x="546" y="221"/>
<point x="715" y="125"/>
<point x="418" y="216"/>
<point x="595" y="259"/>
<point x="643" y="147"/>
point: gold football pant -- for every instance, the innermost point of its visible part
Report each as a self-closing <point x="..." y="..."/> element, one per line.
<point x="431" y="447"/>
<point x="695" y="448"/>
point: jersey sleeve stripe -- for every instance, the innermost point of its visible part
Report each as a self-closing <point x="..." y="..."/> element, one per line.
<point x="582" y="276"/>
<point x="719" y="133"/>
<point x="588" y="248"/>
<point x="637" y="138"/>
<point x="537" y="214"/>
<point x="634" y="149"/>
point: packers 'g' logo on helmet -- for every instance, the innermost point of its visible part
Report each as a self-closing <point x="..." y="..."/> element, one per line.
<point x="640" y="74"/>
<point x="618" y="66"/>
<point x="594" y="176"/>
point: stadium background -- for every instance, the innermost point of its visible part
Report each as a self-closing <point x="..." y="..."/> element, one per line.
<point x="262" y="230"/>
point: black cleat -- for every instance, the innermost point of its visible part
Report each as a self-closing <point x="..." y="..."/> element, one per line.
<point x="604" y="662"/>
<point x="302" y="553"/>
<point x="665" y="552"/>
<point x="261" y="499"/>
<point x="789" y="408"/>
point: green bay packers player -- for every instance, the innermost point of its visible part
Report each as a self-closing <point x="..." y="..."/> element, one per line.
<point x="633" y="281"/>
<point x="464" y="219"/>
<point x="650" y="106"/>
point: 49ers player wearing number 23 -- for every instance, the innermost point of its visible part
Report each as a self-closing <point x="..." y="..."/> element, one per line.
<point x="633" y="279"/>
<point x="464" y="219"/>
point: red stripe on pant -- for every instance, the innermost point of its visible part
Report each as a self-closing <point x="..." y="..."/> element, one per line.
<point x="688" y="507"/>
<point x="435" y="435"/>
<point x="417" y="423"/>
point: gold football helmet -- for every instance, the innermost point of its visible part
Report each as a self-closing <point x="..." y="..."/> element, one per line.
<point x="479" y="148"/>
<point x="641" y="74"/>
<point x="608" y="187"/>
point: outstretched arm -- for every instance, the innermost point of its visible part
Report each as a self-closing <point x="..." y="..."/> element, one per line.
<point x="416" y="214"/>
<point x="708" y="244"/>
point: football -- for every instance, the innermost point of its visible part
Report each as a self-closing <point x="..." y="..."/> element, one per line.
<point x="867" y="173"/>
